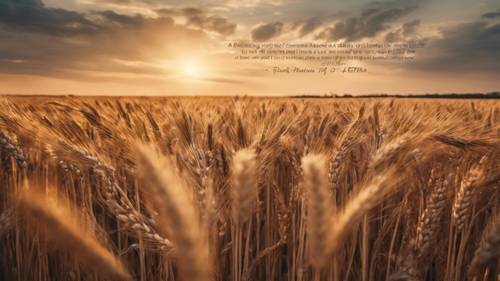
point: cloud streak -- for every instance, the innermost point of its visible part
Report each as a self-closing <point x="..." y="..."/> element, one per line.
<point x="492" y="15"/>
<point x="369" y="24"/>
<point x="469" y="47"/>
<point x="265" y="32"/>
<point x="216" y="24"/>
<point x="404" y="32"/>
<point x="33" y="16"/>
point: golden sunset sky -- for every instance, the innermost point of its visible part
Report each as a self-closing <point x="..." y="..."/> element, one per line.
<point x="179" y="47"/>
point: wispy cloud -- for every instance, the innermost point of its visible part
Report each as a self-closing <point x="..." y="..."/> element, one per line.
<point x="265" y="32"/>
<point x="370" y="23"/>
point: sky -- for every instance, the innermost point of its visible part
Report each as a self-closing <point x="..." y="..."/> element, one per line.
<point x="180" y="47"/>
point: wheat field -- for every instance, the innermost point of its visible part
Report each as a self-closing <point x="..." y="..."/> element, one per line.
<point x="242" y="189"/>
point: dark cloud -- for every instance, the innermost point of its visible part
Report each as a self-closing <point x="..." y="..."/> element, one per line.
<point x="492" y="15"/>
<point x="268" y="31"/>
<point x="202" y="19"/>
<point x="60" y="43"/>
<point x="192" y="11"/>
<point x="404" y="32"/>
<point x="39" y="40"/>
<point x="113" y="18"/>
<point x="188" y="12"/>
<point x="370" y="23"/>
<point x="410" y="28"/>
<point x="390" y="4"/>
<point x="310" y="25"/>
<point x="212" y="23"/>
<point x="467" y="47"/>
<point x="40" y="54"/>
<point x="120" y="2"/>
<point x="33" y="16"/>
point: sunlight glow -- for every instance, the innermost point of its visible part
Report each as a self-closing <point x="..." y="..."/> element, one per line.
<point x="192" y="69"/>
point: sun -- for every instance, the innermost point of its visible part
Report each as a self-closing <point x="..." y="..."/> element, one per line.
<point x="192" y="69"/>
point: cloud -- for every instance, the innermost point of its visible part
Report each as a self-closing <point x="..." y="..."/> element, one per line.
<point x="212" y="23"/>
<point x="310" y="25"/>
<point x="466" y="47"/>
<point x="60" y="43"/>
<point x="187" y="12"/>
<point x="268" y="31"/>
<point x="492" y="15"/>
<point x="112" y="18"/>
<point x="45" y="55"/>
<point x="120" y="2"/>
<point x="33" y="16"/>
<point x="370" y="23"/>
<point x="44" y="41"/>
<point x="402" y="33"/>
<point x="202" y="19"/>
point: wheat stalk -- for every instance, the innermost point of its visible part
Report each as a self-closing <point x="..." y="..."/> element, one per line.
<point x="11" y="149"/>
<point x="464" y="198"/>
<point x="244" y="190"/>
<point x="428" y="226"/>
<point x="319" y="206"/>
<point x="369" y="195"/>
<point x="430" y="220"/>
<point x="6" y="221"/>
<point x="178" y="216"/>
<point x="66" y="231"/>
<point x="488" y="251"/>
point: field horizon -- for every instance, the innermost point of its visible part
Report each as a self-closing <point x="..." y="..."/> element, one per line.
<point x="444" y="95"/>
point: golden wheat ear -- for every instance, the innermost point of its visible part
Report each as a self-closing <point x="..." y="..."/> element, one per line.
<point x="66" y="231"/>
<point x="319" y="206"/>
<point x="177" y="213"/>
<point x="244" y="192"/>
<point x="465" y="197"/>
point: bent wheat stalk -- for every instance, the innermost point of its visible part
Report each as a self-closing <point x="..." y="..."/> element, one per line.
<point x="65" y="229"/>
<point x="346" y="219"/>
<point x="177" y="214"/>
